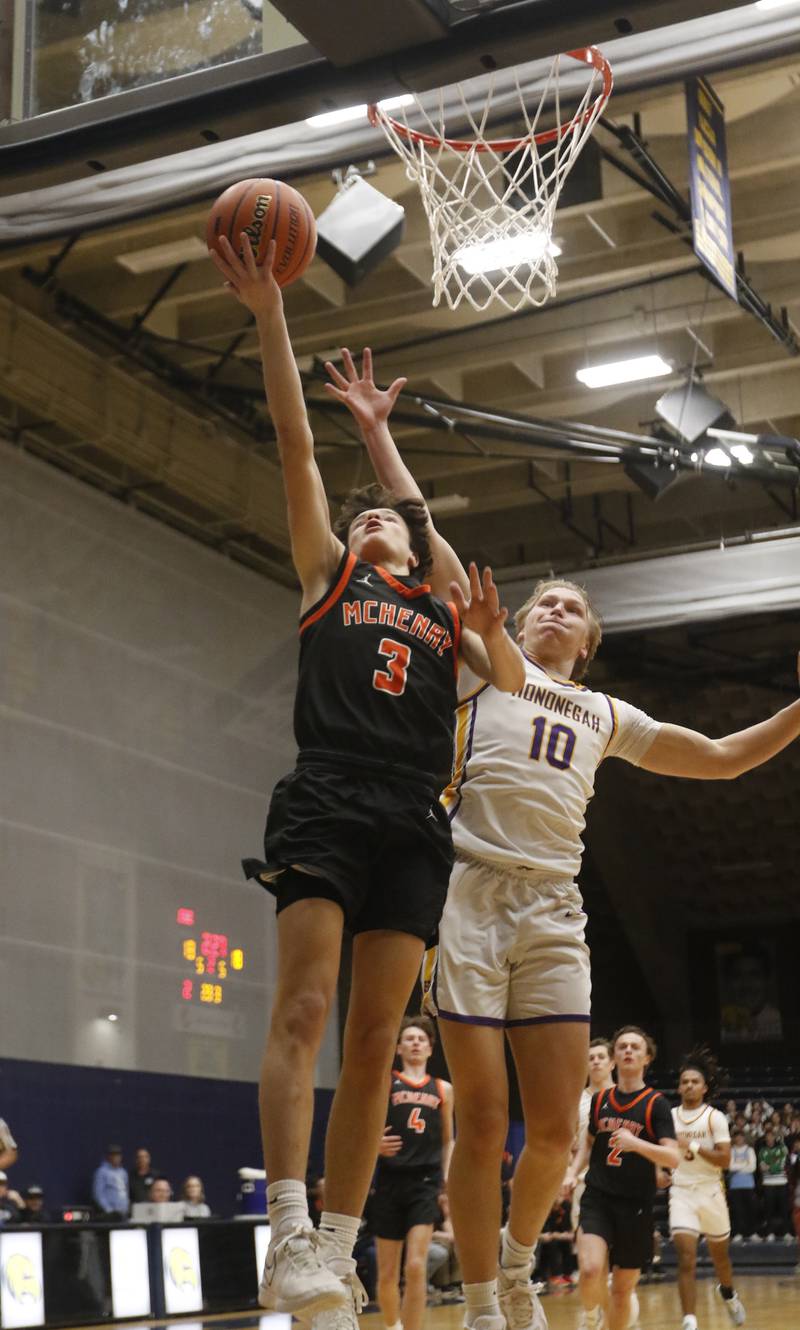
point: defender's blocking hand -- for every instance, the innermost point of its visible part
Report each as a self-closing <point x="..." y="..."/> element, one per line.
<point x="369" y="404"/>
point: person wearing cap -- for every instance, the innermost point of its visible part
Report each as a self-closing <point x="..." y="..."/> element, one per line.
<point x="110" y="1185"/>
<point x="33" y="1211"/>
<point x="9" y="1202"/>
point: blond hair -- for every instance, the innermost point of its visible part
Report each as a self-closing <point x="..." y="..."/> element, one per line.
<point x="595" y="627"/>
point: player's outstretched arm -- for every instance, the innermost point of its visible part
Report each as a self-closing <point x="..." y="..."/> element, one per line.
<point x="315" y="549"/>
<point x="371" y="407"/>
<point x="676" y="751"/>
<point x="485" y="645"/>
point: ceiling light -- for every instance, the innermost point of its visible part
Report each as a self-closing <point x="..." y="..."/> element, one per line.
<point x="348" y="113"/>
<point x="448" y="503"/>
<point x="731" y="435"/>
<point x="774" y="4"/>
<point x="742" y="454"/>
<point x="623" y="371"/>
<point x="187" y="250"/>
<point x="506" y="252"/>
<point x="112" y="1016"/>
<point x="717" y="457"/>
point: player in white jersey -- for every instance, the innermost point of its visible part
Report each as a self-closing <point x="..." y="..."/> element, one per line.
<point x="601" y="1065"/>
<point x="697" y="1204"/>
<point x="513" y="962"/>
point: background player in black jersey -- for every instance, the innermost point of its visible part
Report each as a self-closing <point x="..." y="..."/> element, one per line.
<point x="412" y="1165"/>
<point x="630" y="1133"/>
<point x="355" y="835"/>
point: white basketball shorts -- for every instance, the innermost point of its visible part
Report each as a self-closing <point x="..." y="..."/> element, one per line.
<point x="511" y="949"/>
<point x="701" y="1208"/>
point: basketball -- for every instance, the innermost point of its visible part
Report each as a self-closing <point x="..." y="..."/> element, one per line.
<point x="266" y="210"/>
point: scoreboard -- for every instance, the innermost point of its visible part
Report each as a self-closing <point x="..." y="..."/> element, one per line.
<point x="211" y="962"/>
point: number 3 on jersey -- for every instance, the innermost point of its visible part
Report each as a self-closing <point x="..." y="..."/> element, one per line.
<point x="393" y="678"/>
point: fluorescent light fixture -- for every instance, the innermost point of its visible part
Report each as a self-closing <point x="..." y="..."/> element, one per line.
<point x="164" y="256"/>
<point x="489" y="255"/>
<point x="717" y="457"/>
<point x="623" y="371"/>
<point x="731" y="435"/>
<point x="742" y="454"/>
<point x="448" y="503"/>
<point x="348" y="113"/>
<point x="774" y="4"/>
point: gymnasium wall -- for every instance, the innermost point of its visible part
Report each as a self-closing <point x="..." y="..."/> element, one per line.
<point x="146" y="690"/>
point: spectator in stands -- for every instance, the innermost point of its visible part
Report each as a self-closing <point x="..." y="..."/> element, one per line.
<point x="742" y="1188"/>
<point x="33" y="1208"/>
<point x="776" y="1123"/>
<point x="787" y="1113"/>
<point x="556" y="1257"/>
<point x="794" y="1187"/>
<point x="793" y="1135"/>
<point x="443" y="1271"/>
<point x="142" y="1175"/>
<point x="772" y="1160"/>
<point x="10" y="1202"/>
<point x="731" y="1111"/>
<point x="8" y="1147"/>
<point x="193" y="1199"/>
<point x="755" y="1119"/>
<point x="764" y="1109"/>
<point x="110" y="1186"/>
<point x="160" y="1191"/>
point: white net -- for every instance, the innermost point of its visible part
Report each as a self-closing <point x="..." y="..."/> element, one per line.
<point x="491" y="203"/>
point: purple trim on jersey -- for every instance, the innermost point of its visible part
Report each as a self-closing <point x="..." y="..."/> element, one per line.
<point x="549" y="1020"/>
<point x="472" y="1020"/>
<point x="614" y="722"/>
<point x="473" y="701"/>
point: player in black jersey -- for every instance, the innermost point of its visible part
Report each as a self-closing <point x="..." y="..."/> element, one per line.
<point x="630" y="1134"/>
<point x="355" y="835"/>
<point x="412" y="1165"/>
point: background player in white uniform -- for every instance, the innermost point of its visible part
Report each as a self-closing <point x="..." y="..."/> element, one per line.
<point x="601" y="1066"/>
<point x="697" y="1204"/>
<point x="513" y="960"/>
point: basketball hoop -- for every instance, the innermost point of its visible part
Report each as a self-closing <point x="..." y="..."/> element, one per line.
<point x="491" y="203"/>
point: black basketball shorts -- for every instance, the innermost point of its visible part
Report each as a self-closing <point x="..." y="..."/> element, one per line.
<point x="401" y="1200"/>
<point x="624" y="1223"/>
<point x="376" y="844"/>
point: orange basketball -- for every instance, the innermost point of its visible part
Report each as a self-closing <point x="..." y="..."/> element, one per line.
<point x="265" y="210"/>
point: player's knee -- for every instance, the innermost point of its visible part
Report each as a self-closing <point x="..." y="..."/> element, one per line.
<point x="301" y="1017"/>
<point x="483" y="1122"/>
<point x="592" y="1269"/>
<point x="687" y="1261"/>
<point x="555" y="1135"/>
<point x="416" y="1269"/>
<point x="370" y="1043"/>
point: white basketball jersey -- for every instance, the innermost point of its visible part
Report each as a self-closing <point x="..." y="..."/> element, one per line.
<point x="525" y="765"/>
<point x="708" y="1127"/>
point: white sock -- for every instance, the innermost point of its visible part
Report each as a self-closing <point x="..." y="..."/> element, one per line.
<point x="287" y="1206"/>
<point x="512" y="1253"/>
<point x="481" y="1300"/>
<point x="398" y="1325"/>
<point x="339" y="1233"/>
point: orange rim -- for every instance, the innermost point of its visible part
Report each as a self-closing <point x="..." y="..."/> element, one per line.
<point x="585" y="55"/>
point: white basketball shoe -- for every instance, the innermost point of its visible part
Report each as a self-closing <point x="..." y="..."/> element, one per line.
<point x="295" y="1277"/>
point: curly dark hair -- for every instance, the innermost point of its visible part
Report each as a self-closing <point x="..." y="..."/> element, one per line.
<point x="413" y="512"/>
<point x="703" y="1060"/>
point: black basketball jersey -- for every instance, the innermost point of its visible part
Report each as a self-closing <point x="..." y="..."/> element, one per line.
<point x="377" y="677"/>
<point x="646" y="1113"/>
<point x="415" y="1113"/>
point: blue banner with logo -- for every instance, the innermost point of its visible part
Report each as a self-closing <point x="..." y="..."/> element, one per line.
<point x="708" y="178"/>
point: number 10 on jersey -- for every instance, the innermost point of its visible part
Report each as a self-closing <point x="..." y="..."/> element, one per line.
<point x="555" y="741"/>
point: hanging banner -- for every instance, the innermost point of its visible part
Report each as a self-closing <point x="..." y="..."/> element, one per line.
<point x="708" y="179"/>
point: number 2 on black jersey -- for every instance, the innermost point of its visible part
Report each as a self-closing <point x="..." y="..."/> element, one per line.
<point x="393" y="678"/>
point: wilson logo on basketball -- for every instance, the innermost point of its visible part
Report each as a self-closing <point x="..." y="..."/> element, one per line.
<point x="291" y="240"/>
<point x="254" y="230"/>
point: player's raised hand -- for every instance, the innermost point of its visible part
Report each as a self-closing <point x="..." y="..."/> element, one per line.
<point x="389" y="1144"/>
<point x="482" y="612"/>
<point x="369" y="404"/>
<point x="253" y="284"/>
